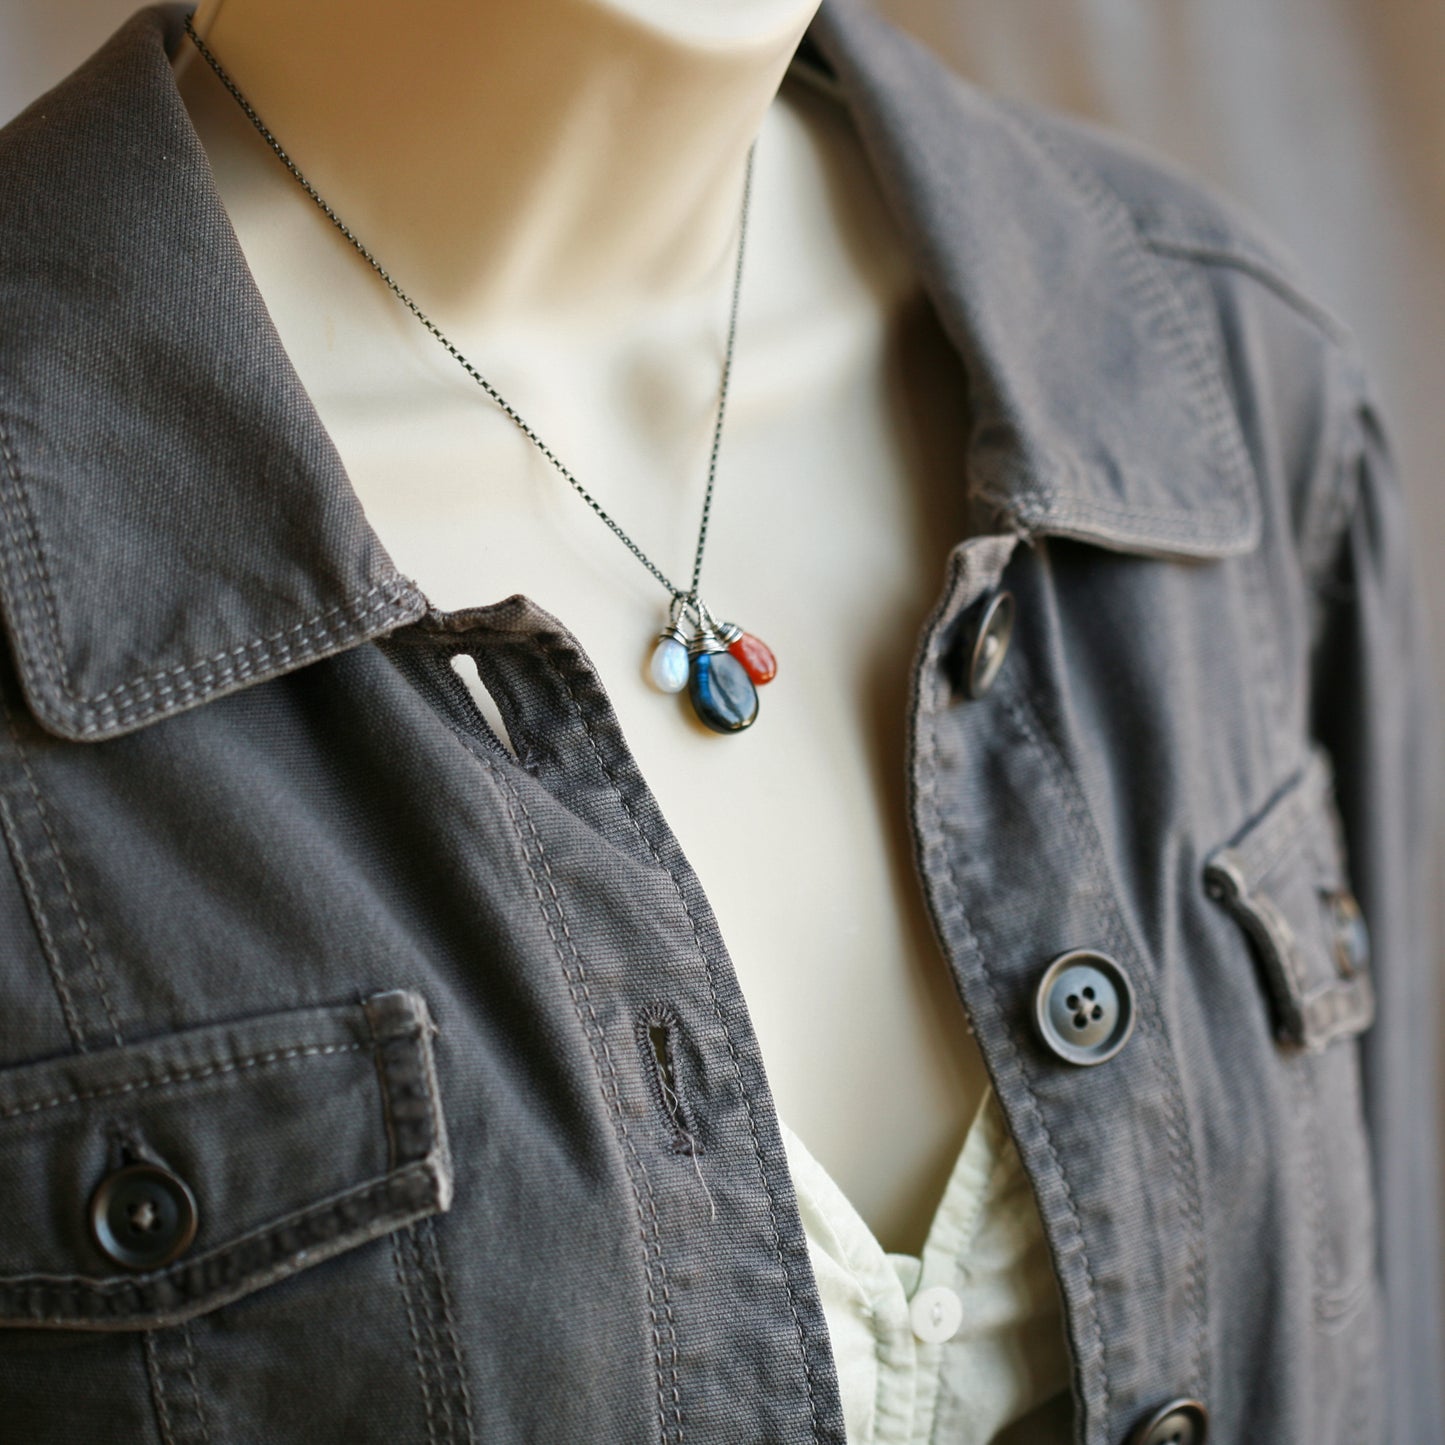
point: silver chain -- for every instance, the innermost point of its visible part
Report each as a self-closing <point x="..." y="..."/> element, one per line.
<point x="688" y="597"/>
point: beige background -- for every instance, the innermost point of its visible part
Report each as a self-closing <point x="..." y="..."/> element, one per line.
<point x="1326" y="117"/>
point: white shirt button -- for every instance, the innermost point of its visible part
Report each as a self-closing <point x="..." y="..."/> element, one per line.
<point x="936" y="1313"/>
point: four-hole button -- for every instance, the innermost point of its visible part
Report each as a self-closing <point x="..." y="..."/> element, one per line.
<point x="1084" y="1007"/>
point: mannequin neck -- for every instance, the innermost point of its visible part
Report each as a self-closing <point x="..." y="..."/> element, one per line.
<point x="569" y="158"/>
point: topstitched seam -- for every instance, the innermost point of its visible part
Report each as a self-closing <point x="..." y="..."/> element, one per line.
<point x="553" y="652"/>
<point x="180" y="1076"/>
<point x="54" y="663"/>
<point x="1009" y="1044"/>
<point x="1182" y="1162"/>
<point x="605" y="1074"/>
<point x="82" y="927"/>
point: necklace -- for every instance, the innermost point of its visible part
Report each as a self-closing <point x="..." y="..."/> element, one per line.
<point x="720" y="666"/>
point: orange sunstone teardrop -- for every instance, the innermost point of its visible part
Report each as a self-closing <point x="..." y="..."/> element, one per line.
<point x="756" y="657"/>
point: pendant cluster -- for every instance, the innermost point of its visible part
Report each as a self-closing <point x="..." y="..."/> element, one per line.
<point x="720" y="665"/>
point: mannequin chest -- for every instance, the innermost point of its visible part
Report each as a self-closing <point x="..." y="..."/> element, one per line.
<point x="838" y="495"/>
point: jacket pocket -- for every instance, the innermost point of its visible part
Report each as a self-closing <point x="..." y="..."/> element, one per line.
<point x="147" y="1184"/>
<point x="1285" y="878"/>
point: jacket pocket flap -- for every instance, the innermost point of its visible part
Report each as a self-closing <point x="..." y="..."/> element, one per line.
<point x="1284" y="876"/>
<point x="283" y="1141"/>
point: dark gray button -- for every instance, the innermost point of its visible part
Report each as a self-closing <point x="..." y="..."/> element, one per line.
<point x="1180" y="1422"/>
<point x="1351" y="937"/>
<point x="1084" y="1006"/>
<point x="143" y="1216"/>
<point x="990" y="643"/>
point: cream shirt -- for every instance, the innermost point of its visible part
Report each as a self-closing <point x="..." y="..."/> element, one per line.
<point x="954" y="1345"/>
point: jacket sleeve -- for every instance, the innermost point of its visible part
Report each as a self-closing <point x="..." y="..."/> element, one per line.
<point x="1376" y="704"/>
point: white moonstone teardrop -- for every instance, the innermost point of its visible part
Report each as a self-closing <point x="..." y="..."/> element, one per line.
<point x="669" y="665"/>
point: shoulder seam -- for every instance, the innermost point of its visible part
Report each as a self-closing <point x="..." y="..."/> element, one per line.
<point x="1251" y="263"/>
<point x="1215" y="230"/>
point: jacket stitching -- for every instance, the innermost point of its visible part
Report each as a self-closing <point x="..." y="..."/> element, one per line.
<point x="42" y="579"/>
<point x="1260" y="919"/>
<point x="1275" y="712"/>
<point x="449" y="1324"/>
<point x="407" y="1069"/>
<point x="402" y="1061"/>
<point x="426" y="1310"/>
<point x="1181" y="1153"/>
<point x="314" y="635"/>
<point x="158" y="1393"/>
<point x="175" y="1389"/>
<point x="388" y="1112"/>
<point x="181" y="1076"/>
<point x="310" y="629"/>
<point x="1336" y="1296"/>
<point x="421" y="1371"/>
<point x="1223" y="254"/>
<point x="386" y="593"/>
<point x="1161" y="298"/>
<point x="30" y="880"/>
<point x="1314" y="1183"/>
<point x="352" y="1216"/>
<point x="1280" y="940"/>
<point x="82" y="927"/>
<point x="430" y="1273"/>
<point x="1165" y="522"/>
<point x="390" y="1088"/>
<point x="189" y="1365"/>
<point x="42" y="922"/>
<point x="607" y="1076"/>
<point x="1010" y="1046"/>
<point x="1366" y="1404"/>
<point x="1260" y="860"/>
<point x="1270" y="678"/>
<point x="556" y="656"/>
<point x="136" y="695"/>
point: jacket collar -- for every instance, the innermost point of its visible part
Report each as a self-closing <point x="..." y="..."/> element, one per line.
<point x="175" y="522"/>
<point x="1098" y="395"/>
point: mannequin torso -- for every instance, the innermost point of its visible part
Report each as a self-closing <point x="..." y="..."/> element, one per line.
<point x="839" y="493"/>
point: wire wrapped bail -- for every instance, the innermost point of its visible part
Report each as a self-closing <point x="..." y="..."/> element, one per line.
<point x="754" y="654"/>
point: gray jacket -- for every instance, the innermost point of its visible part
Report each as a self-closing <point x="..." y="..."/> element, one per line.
<point x="331" y="1036"/>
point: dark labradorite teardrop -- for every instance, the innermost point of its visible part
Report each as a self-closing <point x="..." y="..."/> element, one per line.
<point x="722" y="693"/>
